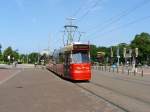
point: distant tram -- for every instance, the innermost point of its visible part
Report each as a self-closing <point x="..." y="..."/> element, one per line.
<point x="72" y="62"/>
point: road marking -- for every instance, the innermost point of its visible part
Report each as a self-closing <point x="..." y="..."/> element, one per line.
<point x="10" y="77"/>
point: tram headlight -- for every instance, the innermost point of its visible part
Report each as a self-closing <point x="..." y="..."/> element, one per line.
<point x="78" y="68"/>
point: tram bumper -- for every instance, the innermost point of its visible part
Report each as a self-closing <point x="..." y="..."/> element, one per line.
<point x="81" y="76"/>
<point x="80" y="72"/>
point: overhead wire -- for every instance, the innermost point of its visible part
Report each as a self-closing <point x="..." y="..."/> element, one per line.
<point x="75" y="14"/>
<point x="79" y="9"/>
<point x="112" y="20"/>
<point x="125" y="25"/>
<point x="118" y="17"/>
<point x="89" y="10"/>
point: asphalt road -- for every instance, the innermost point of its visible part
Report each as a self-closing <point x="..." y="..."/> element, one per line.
<point x="37" y="90"/>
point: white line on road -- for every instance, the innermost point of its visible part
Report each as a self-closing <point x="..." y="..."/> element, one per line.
<point x="11" y="76"/>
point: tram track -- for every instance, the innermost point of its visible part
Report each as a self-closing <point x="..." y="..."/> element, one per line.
<point x="105" y="99"/>
<point x="116" y="98"/>
<point x="108" y="88"/>
<point x="135" y="81"/>
<point x="93" y="93"/>
<point x="98" y="96"/>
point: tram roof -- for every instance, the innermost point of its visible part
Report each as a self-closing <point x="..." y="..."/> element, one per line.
<point x="71" y="46"/>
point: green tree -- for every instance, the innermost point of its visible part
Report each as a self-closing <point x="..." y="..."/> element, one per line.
<point x="142" y="42"/>
<point x="33" y="57"/>
<point x="23" y="58"/>
<point x="8" y="52"/>
<point x="106" y="51"/>
<point x="14" y="55"/>
<point x="94" y="49"/>
<point x="0" y="48"/>
<point x="93" y="52"/>
<point x="1" y="57"/>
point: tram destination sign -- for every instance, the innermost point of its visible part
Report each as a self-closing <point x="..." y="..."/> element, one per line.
<point x="80" y="47"/>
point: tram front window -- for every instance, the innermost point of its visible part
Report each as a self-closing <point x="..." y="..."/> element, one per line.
<point x="80" y="57"/>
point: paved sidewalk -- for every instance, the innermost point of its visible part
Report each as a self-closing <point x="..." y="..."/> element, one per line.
<point x="6" y="73"/>
<point x="5" y="66"/>
<point x="35" y="90"/>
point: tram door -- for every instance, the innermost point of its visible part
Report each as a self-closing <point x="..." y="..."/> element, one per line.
<point x="67" y="65"/>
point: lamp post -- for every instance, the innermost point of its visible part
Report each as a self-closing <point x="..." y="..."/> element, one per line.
<point x="124" y="55"/>
<point x="8" y="57"/>
<point x="118" y="56"/>
<point x="135" y="55"/>
<point x="111" y="53"/>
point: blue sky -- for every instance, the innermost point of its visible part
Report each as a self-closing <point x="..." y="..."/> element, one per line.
<point x="33" y="25"/>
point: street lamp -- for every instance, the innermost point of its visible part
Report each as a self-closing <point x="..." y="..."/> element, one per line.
<point x="111" y="55"/>
<point x="118" y="56"/>
<point x="8" y="57"/>
<point x="134" y="56"/>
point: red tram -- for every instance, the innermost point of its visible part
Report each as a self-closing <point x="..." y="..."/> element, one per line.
<point x="72" y="62"/>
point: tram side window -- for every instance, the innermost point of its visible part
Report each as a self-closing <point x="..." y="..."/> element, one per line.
<point x="54" y="57"/>
<point x="61" y="58"/>
<point x="55" y="60"/>
<point x="67" y="58"/>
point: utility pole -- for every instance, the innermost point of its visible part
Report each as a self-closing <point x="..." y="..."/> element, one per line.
<point x="130" y="52"/>
<point x="124" y="55"/>
<point x="111" y="55"/>
<point x="49" y="39"/>
<point x="27" y="59"/>
<point x="134" y="56"/>
<point x="38" y="60"/>
<point x="118" y="56"/>
<point x="71" y="30"/>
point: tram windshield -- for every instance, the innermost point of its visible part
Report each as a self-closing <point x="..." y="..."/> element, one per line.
<point x="80" y="57"/>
